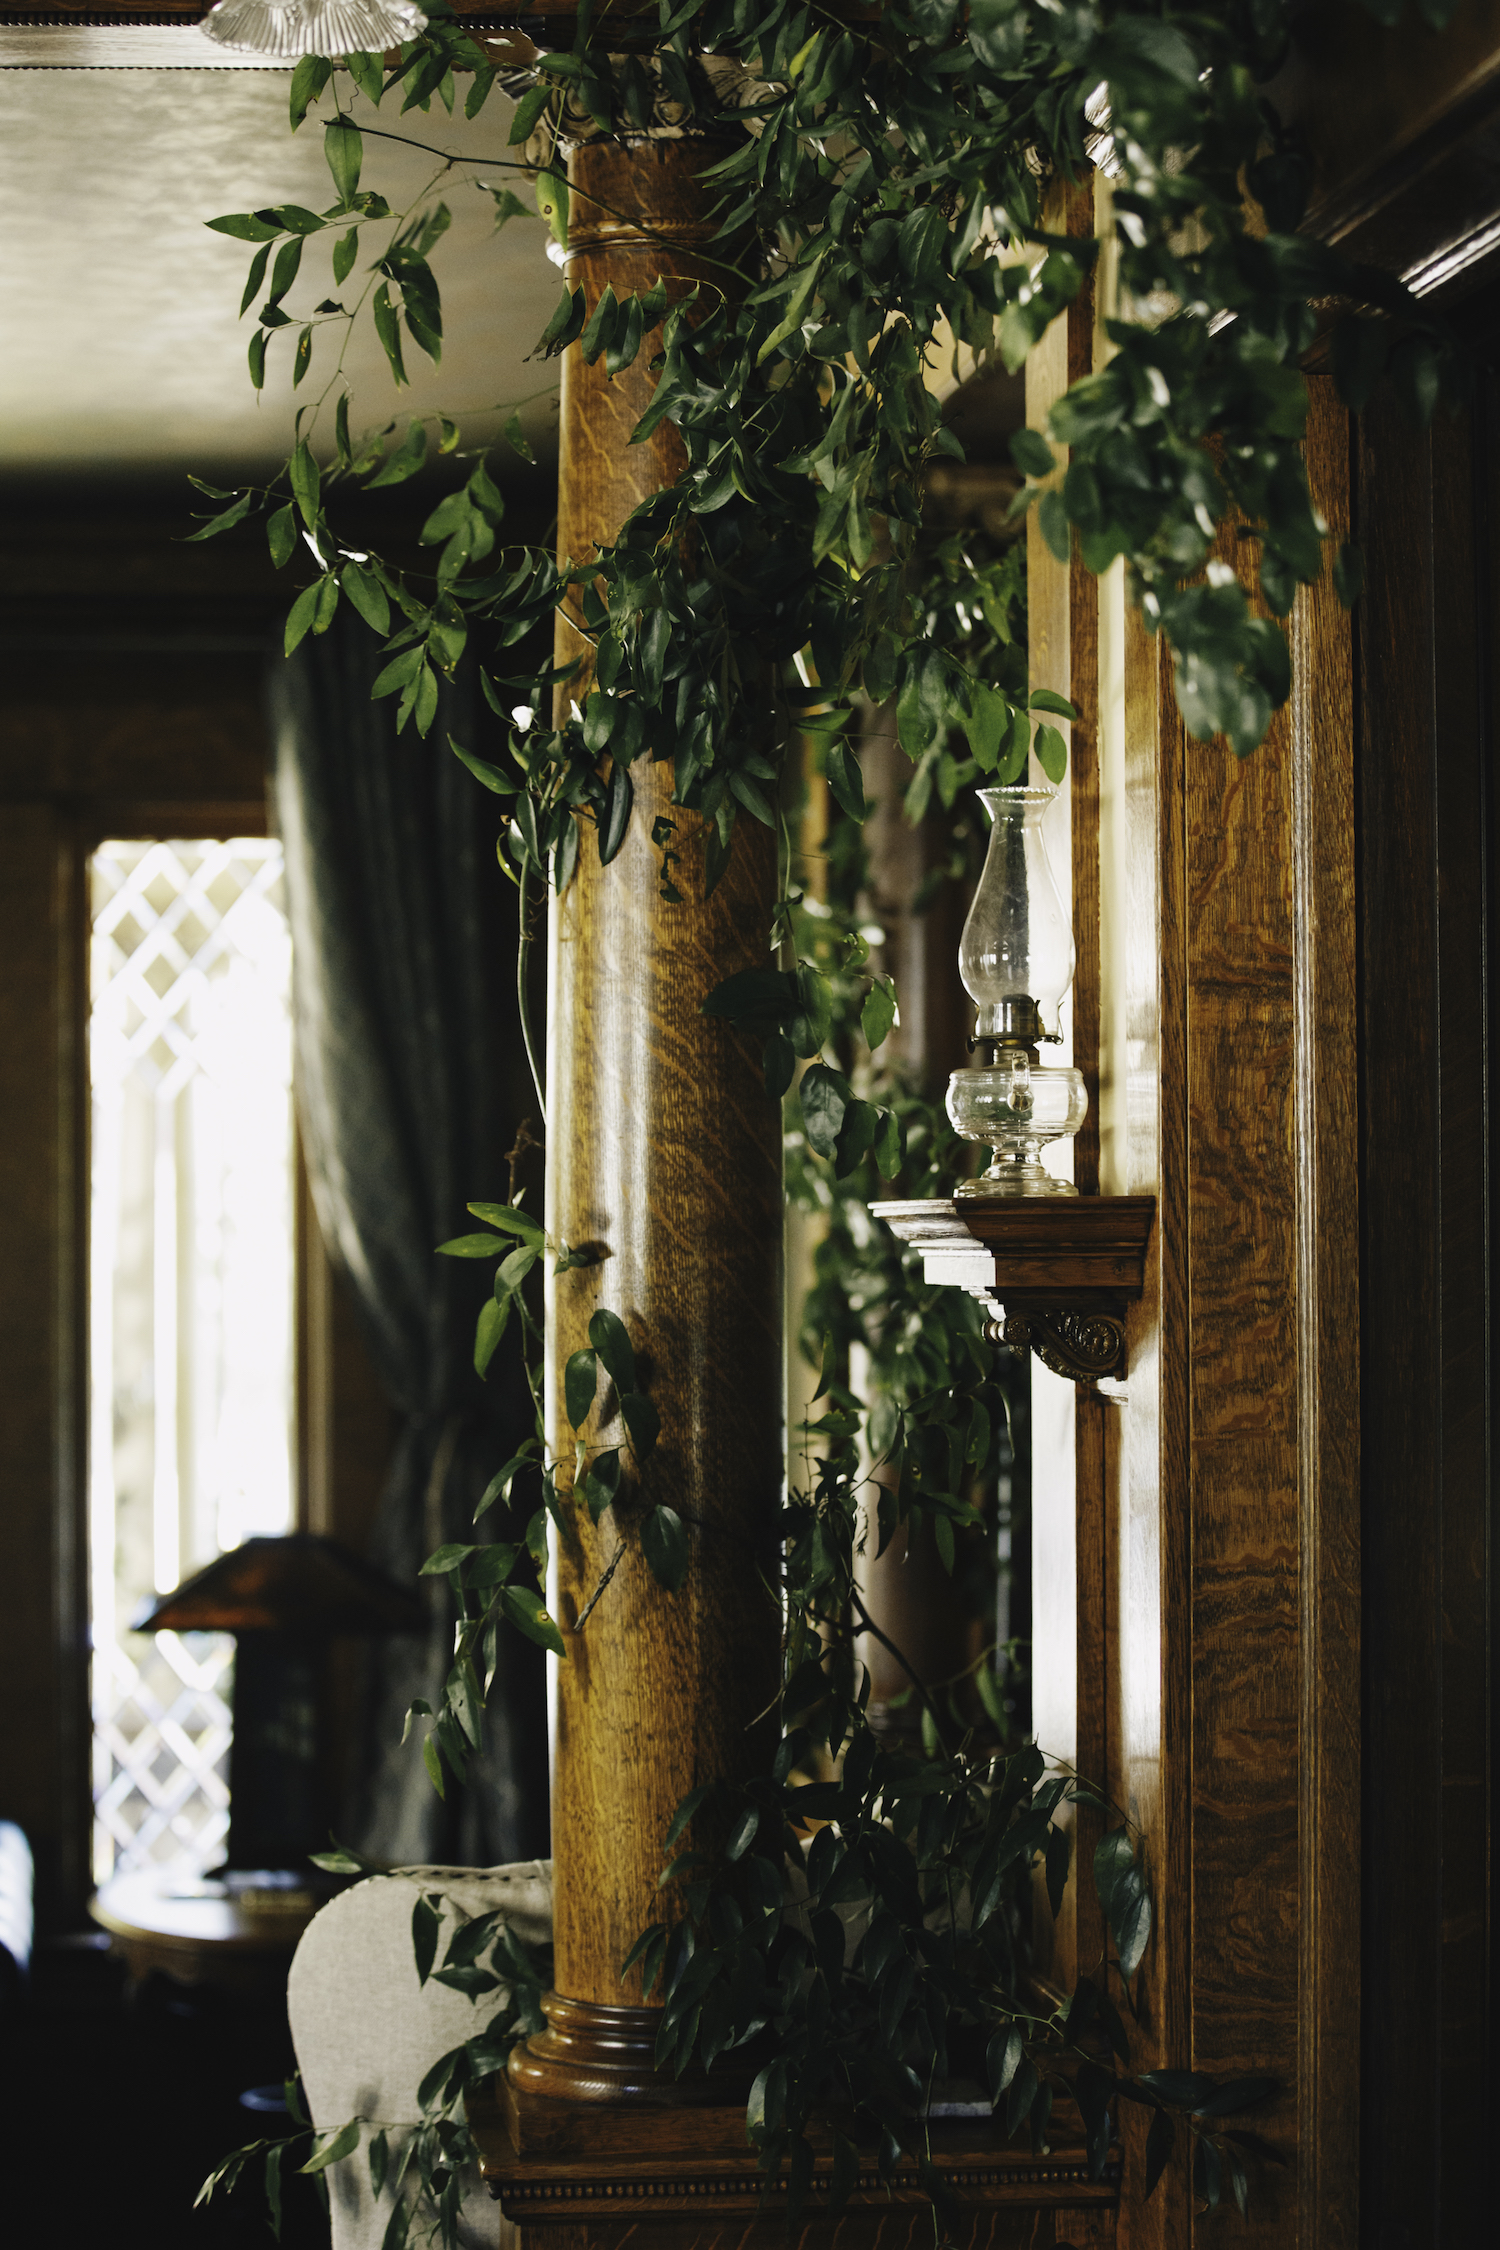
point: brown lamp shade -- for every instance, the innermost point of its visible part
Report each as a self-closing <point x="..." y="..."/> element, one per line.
<point x="299" y="1584"/>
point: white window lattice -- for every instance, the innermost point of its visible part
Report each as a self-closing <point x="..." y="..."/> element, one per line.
<point x="191" y="1297"/>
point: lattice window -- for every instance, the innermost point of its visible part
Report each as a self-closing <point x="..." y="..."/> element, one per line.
<point x="191" y="1307"/>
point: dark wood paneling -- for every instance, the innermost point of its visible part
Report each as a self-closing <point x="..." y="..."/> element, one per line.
<point x="43" y="1773"/>
<point x="1424" y="746"/>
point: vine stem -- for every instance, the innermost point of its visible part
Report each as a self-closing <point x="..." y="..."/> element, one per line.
<point x="612" y="1566"/>
<point x="870" y="1626"/>
<point x="523" y="997"/>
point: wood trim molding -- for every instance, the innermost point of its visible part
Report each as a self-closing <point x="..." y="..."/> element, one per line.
<point x="657" y="2175"/>
<point x="1325" y="1068"/>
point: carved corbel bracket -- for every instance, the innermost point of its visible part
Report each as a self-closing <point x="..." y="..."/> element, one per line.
<point x="1082" y="1345"/>
<point x="1055" y="1272"/>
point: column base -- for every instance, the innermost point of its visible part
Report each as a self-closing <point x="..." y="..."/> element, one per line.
<point x="585" y="2080"/>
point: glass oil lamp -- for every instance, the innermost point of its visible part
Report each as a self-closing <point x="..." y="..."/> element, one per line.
<point x="1016" y="959"/>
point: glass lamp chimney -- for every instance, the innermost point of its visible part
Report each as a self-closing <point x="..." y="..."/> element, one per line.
<point x="1016" y="959"/>
<point x="1016" y="955"/>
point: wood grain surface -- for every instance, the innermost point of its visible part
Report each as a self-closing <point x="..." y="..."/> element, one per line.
<point x="665" y="1152"/>
<point x="1063" y="651"/>
<point x="691" y="2189"/>
<point x="1425" y="685"/>
<point x="1147" y="1528"/>
<point x="1326" y="1024"/>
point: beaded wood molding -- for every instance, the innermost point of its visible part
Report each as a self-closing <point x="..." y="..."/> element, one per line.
<point x="1056" y="1271"/>
<point x="721" y="2175"/>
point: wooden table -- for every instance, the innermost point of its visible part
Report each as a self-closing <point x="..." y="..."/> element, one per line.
<point x="196" y="1931"/>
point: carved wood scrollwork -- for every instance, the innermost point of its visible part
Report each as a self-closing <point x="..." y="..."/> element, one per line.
<point x="1081" y="1346"/>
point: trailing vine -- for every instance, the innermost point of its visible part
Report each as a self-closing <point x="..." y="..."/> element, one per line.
<point x="884" y="182"/>
<point x="883" y="193"/>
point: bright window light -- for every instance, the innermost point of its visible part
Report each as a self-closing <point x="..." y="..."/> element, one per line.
<point x="191" y="1307"/>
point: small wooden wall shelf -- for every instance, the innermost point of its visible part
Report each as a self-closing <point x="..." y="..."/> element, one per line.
<point x="1058" y="1270"/>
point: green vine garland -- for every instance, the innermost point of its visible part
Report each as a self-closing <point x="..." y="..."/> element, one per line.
<point x="885" y="183"/>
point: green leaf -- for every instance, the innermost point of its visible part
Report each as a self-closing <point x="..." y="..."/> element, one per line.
<point x="1239" y="2094"/>
<point x="254" y="278"/>
<point x="343" y="147"/>
<point x="878" y="1014"/>
<point x="388" y="329"/>
<point x="284" y="272"/>
<point x="552" y="202"/>
<point x="846" y="781"/>
<point x="1133" y="1934"/>
<point x="793" y="316"/>
<point x="1053" y="519"/>
<point x="488" y="1331"/>
<point x="344" y="2142"/>
<point x="308" y="80"/>
<point x="516" y="438"/>
<point x="514" y="1268"/>
<point x="257" y="359"/>
<point x="1032" y="454"/>
<point x="345" y="251"/>
<point x="367" y="594"/>
<point x="665" y="1544"/>
<point x="1114" y="1860"/>
<point x="1051" y="753"/>
<point x="754" y="997"/>
<point x="1046" y="699"/>
<point x="641" y="1420"/>
<point x="528" y="109"/>
<point x="281" y="535"/>
<point x="326" y="606"/>
<point x="443" y="1560"/>
<point x="527" y="1611"/>
<point x="1003" y="2059"/>
<point x="226" y="519"/>
<point x="989" y="720"/>
<point x="602" y="1483"/>
<point x="1023" y="2091"/>
<point x="303" y="471"/>
<point x="614" y="822"/>
<point x="302" y="616"/>
<point x="482" y="770"/>
<point x="509" y="1220"/>
<point x="580" y="1385"/>
<point x="742" y="1835"/>
<point x="426" y="1922"/>
<point x="405" y="461"/>
<point x="611" y="1340"/>
<point x="469" y="1246"/>
<point x="368" y="76"/>
<point x="825" y="1095"/>
<point x="779" y="1064"/>
<point x="600" y="328"/>
<point x="566" y="323"/>
<point x="244" y="226"/>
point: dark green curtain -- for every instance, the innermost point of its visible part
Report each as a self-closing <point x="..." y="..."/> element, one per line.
<point x="412" y="1081"/>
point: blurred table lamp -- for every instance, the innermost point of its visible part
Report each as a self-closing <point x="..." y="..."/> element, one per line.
<point x="284" y="1600"/>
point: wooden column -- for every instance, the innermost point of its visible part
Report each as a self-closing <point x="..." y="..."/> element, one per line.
<point x="664" y="1152"/>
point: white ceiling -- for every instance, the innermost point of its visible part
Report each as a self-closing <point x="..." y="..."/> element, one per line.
<point x="122" y="349"/>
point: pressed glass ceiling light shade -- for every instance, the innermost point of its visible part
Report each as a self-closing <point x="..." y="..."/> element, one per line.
<point x="313" y="27"/>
